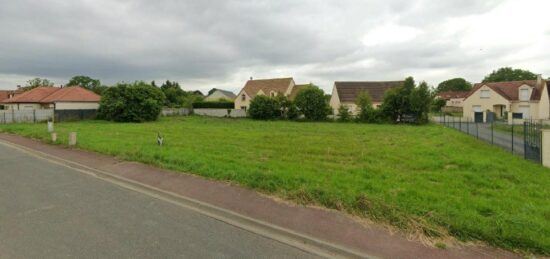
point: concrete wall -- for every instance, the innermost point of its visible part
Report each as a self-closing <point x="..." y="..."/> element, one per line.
<point x="175" y="111"/>
<point x="544" y="105"/>
<point x="233" y="113"/>
<point x="76" y="106"/>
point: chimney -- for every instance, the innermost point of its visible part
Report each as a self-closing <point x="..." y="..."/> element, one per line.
<point x="251" y="78"/>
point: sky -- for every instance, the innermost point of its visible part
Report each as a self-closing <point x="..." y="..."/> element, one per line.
<point x="221" y="44"/>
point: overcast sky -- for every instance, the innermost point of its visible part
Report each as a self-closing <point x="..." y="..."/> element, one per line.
<point x="205" y="44"/>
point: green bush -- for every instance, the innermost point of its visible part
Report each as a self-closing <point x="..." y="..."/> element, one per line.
<point x="312" y="103"/>
<point x="293" y="113"/>
<point x="408" y="103"/>
<point x="367" y="113"/>
<point x="214" y="105"/>
<point x="264" y="108"/>
<point x="137" y="102"/>
<point x="344" y="115"/>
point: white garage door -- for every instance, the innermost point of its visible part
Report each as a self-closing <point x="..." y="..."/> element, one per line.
<point x="525" y="111"/>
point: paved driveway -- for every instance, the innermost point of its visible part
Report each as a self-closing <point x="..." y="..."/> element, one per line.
<point x="51" y="211"/>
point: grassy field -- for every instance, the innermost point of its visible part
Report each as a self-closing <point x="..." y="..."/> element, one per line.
<point x="425" y="178"/>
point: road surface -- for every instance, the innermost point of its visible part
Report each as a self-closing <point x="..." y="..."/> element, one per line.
<point x="52" y="211"/>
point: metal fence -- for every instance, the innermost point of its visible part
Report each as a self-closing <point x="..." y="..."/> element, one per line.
<point x="522" y="137"/>
<point x="31" y="116"/>
<point x="75" y="115"/>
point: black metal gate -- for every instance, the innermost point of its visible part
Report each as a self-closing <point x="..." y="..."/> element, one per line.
<point x="478" y="117"/>
<point x="533" y="141"/>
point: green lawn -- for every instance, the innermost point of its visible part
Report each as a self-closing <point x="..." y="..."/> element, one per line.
<point x="426" y="178"/>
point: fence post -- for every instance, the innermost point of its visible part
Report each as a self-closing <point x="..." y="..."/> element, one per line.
<point x="13" y="115"/>
<point x="468" y="126"/>
<point x="34" y="115"/>
<point x="459" y="124"/>
<point x="492" y="132"/>
<point x="512" y="136"/>
<point x="477" y="131"/>
<point x="525" y="125"/>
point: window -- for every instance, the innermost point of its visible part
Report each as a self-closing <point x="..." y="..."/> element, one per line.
<point x="243" y="97"/>
<point x="485" y="93"/>
<point x="524" y="94"/>
<point x="525" y="111"/>
<point x="272" y="94"/>
<point x="476" y="108"/>
<point x="243" y="108"/>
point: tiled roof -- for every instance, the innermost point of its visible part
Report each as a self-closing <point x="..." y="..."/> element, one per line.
<point x="348" y="91"/>
<point x="453" y="94"/>
<point x="45" y="94"/>
<point x="295" y="91"/>
<point x="278" y="85"/>
<point x="5" y="94"/>
<point x="72" y="94"/>
<point x="510" y="89"/>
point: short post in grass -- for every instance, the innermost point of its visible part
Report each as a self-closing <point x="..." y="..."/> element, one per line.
<point x="72" y="138"/>
<point x="54" y="137"/>
<point x="50" y="126"/>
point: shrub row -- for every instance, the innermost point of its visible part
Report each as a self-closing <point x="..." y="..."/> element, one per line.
<point x="214" y="105"/>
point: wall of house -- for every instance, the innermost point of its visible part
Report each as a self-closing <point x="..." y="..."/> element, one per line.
<point x="24" y="106"/>
<point x="485" y="103"/>
<point x="334" y="101"/>
<point x="533" y="109"/>
<point x="240" y="103"/>
<point x="544" y="104"/>
<point x="216" y="96"/>
<point x="455" y="102"/>
<point x="76" y="106"/>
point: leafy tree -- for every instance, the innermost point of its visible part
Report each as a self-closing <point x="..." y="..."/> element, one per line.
<point x="284" y="103"/>
<point x="312" y="103"/>
<point x="455" y="84"/>
<point x="293" y="113"/>
<point x="509" y="74"/>
<point x="137" y="102"/>
<point x="84" y="81"/>
<point x="36" y="82"/>
<point x="438" y="104"/>
<point x="407" y="100"/>
<point x="344" y="114"/>
<point x="174" y="94"/>
<point x="264" y="108"/>
<point x="420" y="101"/>
<point x="367" y="113"/>
<point x="187" y="101"/>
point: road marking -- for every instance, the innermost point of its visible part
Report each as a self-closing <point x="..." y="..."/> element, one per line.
<point x="286" y="236"/>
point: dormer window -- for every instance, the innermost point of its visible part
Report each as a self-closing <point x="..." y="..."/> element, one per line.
<point x="524" y="94"/>
<point x="272" y="94"/>
<point x="485" y="93"/>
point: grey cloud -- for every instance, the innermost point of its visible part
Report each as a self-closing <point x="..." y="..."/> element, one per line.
<point x="214" y="41"/>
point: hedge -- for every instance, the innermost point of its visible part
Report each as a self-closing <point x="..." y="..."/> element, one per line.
<point x="214" y="105"/>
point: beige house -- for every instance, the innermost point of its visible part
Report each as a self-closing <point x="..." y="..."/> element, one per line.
<point x="528" y="99"/>
<point x="346" y="93"/>
<point x="58" y="98"/>
<point x="219" y="94"/>
<point x="269" y="87"/>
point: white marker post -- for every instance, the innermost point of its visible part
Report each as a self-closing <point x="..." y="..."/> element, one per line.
<point x="72" y="138"/>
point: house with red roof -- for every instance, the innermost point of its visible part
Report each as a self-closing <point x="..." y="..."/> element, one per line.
<point x="453" y="98"/>
<point x="526" y="99"/>
<point x="58" y="98"/>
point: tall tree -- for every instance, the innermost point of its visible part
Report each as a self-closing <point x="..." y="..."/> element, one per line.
<point x="455" y="84"/>
<point x="407" y="100"/>
<point x="174" y="94"/>
<point x="36" y="82"/>
<point x="84" y="81"/>
<point x="509" y="74"/>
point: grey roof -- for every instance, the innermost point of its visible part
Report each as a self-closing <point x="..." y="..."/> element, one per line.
<point x="348" y="91"/>
<point x="227" y="93"/>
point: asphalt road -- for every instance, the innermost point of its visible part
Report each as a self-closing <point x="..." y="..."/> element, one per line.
<point x="51" y="211"/>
